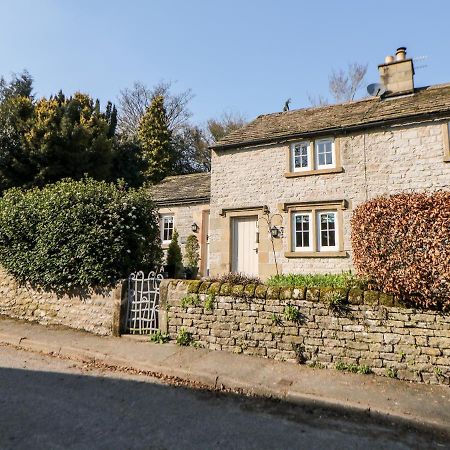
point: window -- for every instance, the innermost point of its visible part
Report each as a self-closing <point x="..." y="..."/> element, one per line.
<point x="301" y="158"/>
<point x="166" y="228"/>
<point x="302" y="231"/>
<point x="327" y="225"/>
<point x="325" y="157"/>
<point x="315" y="228"/>
<point x="312" y="157"/>
<point x="321" y="237"/>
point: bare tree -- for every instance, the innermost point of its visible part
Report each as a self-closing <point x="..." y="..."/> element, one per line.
<point x="134" y="101"/>
<point x="216" y="129"/>
<point x="317" y="100"/>
<point x="343" y="85"/>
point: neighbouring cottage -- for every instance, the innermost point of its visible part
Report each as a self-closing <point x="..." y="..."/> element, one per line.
<point x="183" y="204"/>
<point x="283" y="187"/>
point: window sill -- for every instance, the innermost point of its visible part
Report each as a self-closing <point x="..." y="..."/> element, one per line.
<point x="446" y="158"/>
<point x="342" y="254"/>
<point x="306" y="173"/>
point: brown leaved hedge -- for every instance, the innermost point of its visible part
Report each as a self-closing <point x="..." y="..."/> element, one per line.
<point x="402" y="243"/>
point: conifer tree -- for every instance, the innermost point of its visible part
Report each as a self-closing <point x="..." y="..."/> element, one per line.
<point x="155" y="139"/>
<point x="174" y="257"/>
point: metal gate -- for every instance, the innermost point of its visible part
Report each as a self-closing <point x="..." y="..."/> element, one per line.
<point x="143" y="302"/>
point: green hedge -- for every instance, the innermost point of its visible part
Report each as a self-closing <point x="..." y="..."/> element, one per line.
<point x="77" y="234"/>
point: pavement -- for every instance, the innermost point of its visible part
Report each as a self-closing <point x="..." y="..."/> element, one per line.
<point x="418" y="404"/>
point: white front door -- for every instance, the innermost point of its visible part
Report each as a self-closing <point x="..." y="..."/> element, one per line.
<point x="244" y="257"/>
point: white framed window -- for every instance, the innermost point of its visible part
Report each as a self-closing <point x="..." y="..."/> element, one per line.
<point x="325" y="154"/>
<point x="301" y="156"/>
<point x="166" y="227"/>
<point x="327" y="231"/>
<point x="303" y="231"/>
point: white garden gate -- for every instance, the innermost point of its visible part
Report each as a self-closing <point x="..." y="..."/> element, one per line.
<point x="143" y="302"/>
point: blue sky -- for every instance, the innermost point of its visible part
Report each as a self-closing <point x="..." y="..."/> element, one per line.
<point x="247" y="56"/>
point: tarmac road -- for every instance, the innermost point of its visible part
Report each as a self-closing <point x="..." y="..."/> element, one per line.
<point x="52" y="403"/>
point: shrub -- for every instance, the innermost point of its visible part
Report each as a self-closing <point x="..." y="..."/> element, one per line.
<point x="402" y="242"/>
<point x="77" y="234"/>
<point x="174" y="258"/>
<point x="234" y="278"/>
<point x="192" y="251"/>
<point x="292" y="313"/>
<point x="190" y="300"/>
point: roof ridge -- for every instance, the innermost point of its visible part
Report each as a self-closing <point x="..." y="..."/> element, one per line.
<point x="425" y="101"/>
<point x="316" y="108"/>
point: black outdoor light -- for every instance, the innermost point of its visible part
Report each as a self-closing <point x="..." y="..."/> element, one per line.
<point x="274" y="231"/>
<point x="194" y="227"/>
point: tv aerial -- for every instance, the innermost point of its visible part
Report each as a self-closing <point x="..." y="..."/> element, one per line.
<point x="376" y="89"/>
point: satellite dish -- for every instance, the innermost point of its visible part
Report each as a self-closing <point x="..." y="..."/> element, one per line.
<point x="376" y="89"/>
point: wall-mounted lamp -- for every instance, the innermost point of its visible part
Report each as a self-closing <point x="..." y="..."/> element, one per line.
<point x="194" y="227"/>
<point x="276" y="232"/>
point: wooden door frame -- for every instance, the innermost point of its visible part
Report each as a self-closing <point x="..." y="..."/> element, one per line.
<point x="205" y="230"/>
<point x="233" y="218"/>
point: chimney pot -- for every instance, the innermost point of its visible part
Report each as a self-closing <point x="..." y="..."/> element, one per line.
<point x="401" y="54"/>
<point x="389" y="59"/>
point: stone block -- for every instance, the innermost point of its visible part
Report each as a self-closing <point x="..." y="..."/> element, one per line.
<point x="273" y="292"/>
<point x="237" y="290"/>
<point x="439" y="342"/>
<point x="249" y="290"/>
<point x="286" y="293"/>
<point x="356" y="296"/>
<point x="261" y="291"/>
<point x="312" y="294"/>
<point x="386" y="299"/>
<point x="299" y="293"/>
<point x="225" y="289"/>
<point x="371" y="297"/>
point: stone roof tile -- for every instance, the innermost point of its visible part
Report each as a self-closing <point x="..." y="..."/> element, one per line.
<point x="193" y="187"/>
<point x="433" y="100"/>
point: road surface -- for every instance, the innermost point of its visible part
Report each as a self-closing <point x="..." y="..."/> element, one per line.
<point x="52" y="403"/>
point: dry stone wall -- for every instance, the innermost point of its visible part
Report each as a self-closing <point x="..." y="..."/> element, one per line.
<point x="371" y="330"/>
<point x="97" y="313"/>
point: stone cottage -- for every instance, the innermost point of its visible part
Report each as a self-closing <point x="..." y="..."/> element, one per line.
<point x="183" y="204"/>
<point x="283" y="187"/>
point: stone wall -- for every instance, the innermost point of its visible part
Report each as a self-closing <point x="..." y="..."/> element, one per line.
<point x="407" y="158"/>
<point x="369" y="330"/>
<point x="97" y="313"/>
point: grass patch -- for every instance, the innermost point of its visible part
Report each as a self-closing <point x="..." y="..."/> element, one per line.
<point x="209" y="302"/>
<point x="159" y="338"/>
<point x="344" y="280"/>
<point x="353" y="368"/>
<point x="185" y="338"/>
<point x="292" y="313"/>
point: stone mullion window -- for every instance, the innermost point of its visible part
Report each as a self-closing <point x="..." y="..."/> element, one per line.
<point x="315" y="230"/>
<point x="317" y="157"/>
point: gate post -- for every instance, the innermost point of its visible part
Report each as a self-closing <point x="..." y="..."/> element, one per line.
<point x="163" y="313"/>
<point x="119" y="298"/>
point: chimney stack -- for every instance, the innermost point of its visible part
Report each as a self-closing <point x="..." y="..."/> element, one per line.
<point x="397" y="74"/>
